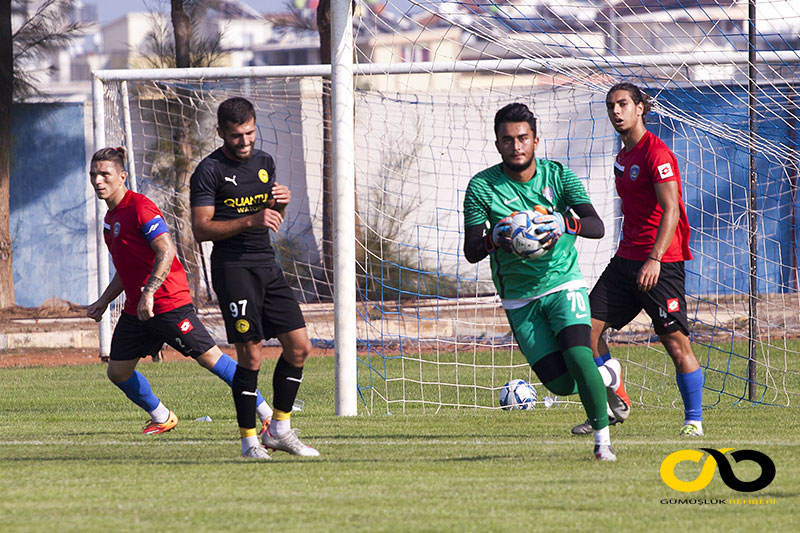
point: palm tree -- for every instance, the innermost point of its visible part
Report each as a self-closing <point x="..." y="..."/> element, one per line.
<point x="180" y="44"/>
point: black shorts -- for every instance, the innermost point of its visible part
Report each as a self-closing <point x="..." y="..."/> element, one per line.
<point x="617" y="300"/>
<point x="256" y="302"/>
<point x="180" y="328"/>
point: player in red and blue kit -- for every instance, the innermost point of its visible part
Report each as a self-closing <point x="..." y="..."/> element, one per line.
<point x="648" y="271"/>
<point x="158" y="305"/>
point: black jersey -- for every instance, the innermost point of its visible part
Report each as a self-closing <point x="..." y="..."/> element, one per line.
<point x="236" y="189"/>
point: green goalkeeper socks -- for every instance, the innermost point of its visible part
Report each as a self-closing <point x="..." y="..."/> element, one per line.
<point x="591" y="389"/>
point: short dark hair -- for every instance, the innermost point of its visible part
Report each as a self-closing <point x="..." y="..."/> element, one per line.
<point x="236" y="110"/>
<point x="117" y="155"/>
<point x="637" y="95"/>
<point x="516" y="112"/>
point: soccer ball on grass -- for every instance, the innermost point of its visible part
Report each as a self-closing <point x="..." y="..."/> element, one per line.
<point x="517" y="394"/>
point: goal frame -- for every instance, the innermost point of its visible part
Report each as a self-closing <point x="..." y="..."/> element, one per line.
<point x="342" y="73"/>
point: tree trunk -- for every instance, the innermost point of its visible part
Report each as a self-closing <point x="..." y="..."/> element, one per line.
<point x="325" y="54"/>
<point x="181" y="110"/>
<point x="324" y="25"/>
<point x="6" y="99"/>
<point x="182" y="28"/>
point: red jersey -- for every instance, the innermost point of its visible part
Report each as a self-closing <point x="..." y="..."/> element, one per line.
<point x="636" y="174"/>
<point x="129" y="229"/>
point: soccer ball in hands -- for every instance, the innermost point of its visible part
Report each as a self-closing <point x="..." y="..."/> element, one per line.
<point x="525" y="242"/>
<point x="517" y="394"/>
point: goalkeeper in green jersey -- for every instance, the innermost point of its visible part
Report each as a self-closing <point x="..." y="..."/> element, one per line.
<point x="545" y="298"/>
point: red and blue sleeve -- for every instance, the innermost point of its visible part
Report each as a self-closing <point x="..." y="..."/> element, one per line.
<point x="151" y="222"/>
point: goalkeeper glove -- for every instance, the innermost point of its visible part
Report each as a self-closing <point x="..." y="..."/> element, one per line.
<point x="500" y="236"/>
<point x="554" y="224"/>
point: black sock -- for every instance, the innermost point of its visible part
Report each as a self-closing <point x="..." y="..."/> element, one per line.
<point x="285" y="384"/>
<point x="245" y="383"/>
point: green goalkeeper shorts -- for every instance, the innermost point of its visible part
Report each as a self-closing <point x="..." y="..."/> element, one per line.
<point x="536" y="325"/>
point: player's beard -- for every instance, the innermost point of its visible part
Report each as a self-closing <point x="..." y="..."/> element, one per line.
<point x="233" y="150"/>
<point x="521" y="167"/>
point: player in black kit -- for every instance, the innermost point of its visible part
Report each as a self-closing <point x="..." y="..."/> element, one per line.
<point x="235" y="202"/>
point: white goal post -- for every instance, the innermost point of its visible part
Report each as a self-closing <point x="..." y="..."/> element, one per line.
<point x="412" y="325"/>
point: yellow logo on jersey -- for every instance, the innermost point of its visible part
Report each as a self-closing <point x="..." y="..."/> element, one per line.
<point x="242" y="325"/>
<point x="263" y="175"/>
<point x="248" y="204"/>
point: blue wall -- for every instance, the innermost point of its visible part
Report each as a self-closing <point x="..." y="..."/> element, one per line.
<point x="716" y="179"/>
<point x="49" y="203"/>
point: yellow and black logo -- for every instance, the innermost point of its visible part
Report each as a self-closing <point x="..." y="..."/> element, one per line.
<point x="263" y="175"/>
<point x="242" y="325"/>
<point x="248" y="204"/>
<point x="717" y="458"/>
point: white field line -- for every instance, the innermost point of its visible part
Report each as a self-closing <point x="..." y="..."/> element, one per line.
<point x="688" y="444"/>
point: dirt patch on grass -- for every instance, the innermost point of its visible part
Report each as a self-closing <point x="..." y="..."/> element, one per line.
<point x="54" y="315"/>
<point x="45" y="357"/>
<point x="61" y="315"/>
<point x="30" y="357"/>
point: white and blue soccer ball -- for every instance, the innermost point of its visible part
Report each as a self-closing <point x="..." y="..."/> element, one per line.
<point x="524" y="240"/>
<point x="517" y="394"/>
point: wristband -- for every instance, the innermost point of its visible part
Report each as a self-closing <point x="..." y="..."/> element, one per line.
<point x="488" y="245"/>
<point x="654" y="259"/>
<point x="572" y="226"/>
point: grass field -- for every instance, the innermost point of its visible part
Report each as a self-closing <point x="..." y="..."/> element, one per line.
<point x="72" y="459"/>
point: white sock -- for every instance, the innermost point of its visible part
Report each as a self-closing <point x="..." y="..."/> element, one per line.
<point x="160" y="414"/>
<point x="264" y="411"/>
<point x="602" y="437"/>
<point x="605" y="373"/>
<point x="697" y="423"/>
<point x="249" y="442"/>
<point x="280" y="427"/>
<point x="614" y="370"/>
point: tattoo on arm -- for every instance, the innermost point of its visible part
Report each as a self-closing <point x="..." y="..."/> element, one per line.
<point x="153" y="283"/>
<point x="161" y="267"/>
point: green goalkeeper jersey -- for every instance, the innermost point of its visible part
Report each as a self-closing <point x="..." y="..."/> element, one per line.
<point x="492" y="195"/>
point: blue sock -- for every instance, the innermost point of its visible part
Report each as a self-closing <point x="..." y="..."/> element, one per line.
<point x="691" y="387"/>
<point x="138" y="390"/>
<point x="601" y="360"/>
<point x="225" y="368"/>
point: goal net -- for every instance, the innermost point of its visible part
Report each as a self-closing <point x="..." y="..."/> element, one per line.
<point x="430" y="76"/>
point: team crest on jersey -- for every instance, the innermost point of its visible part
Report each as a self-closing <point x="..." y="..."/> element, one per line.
<point x="116" y="228"/>
<point x="548" y="193"/>
<point x="263" y="175"/>
<point x="242" y="325"/>
<point x="634" y="172"/>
